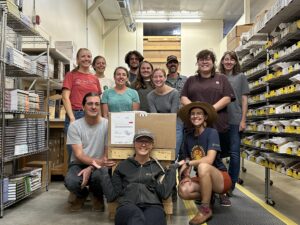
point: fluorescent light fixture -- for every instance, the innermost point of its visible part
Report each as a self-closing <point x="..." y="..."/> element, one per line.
<point x="167" y="16"/>
<point x="167" y="20"/>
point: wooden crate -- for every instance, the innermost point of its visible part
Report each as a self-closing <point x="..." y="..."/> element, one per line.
<point x="165" y="156"/>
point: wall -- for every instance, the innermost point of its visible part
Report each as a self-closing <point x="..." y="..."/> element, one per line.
<point x="66" y="21"/>
<point x="196" y="37"/>
<point x="118" y="43"/>
<point x="207" y="34"/>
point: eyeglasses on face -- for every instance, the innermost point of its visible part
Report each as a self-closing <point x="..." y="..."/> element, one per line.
<point x="97" y="104"/>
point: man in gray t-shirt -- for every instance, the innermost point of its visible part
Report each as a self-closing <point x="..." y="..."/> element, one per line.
<point x="88" y="138"/>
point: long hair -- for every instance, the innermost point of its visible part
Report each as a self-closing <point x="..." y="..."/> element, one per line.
<point x="204" y="54"/>
<point x="77" y="57"/>
<point x="237" y="67"/>
<point x="140" y="82"/>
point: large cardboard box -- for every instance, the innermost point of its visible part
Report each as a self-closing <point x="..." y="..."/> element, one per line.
<point x="231" y="46"/>
<point x="237" y="31"/>
<point x="123" y="125"/>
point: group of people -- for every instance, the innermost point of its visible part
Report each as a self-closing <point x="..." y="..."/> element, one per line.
<point x="211" y="107"/>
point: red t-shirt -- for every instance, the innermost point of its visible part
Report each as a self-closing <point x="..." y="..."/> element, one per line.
<point x="80" y="84"/>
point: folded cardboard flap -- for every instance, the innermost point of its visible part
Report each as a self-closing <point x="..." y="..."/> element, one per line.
<point x="157" y="153"/>
<point x="162" y="125"/>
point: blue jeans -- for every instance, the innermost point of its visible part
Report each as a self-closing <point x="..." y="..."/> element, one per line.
<point x="179" y="135"/>
<point x="234" y="153"/>
<point x="77" y="115"/>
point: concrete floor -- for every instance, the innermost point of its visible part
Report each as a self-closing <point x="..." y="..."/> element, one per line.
<point x="51" y="207"/>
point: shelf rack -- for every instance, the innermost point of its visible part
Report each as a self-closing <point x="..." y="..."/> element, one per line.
<point x="26" y="33"/>
<point x="288" y="13"/>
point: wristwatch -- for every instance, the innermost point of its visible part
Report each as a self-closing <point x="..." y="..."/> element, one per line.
<point x="187" y="162"/>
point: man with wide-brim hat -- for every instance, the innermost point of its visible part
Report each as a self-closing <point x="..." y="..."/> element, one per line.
<point x="184" y="112"/>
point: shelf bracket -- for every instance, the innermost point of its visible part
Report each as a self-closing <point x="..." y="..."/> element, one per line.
<point x="94" y="6"/>
<point x="32" y="84"/>
<point x="112" y="27"/>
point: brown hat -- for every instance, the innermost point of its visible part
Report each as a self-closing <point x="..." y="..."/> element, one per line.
<point x="172" y="58"/>
<point x="184" y="112"/>
<point x="143" y="133"/>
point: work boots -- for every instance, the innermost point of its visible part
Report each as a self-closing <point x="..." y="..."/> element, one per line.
<point x="98" y="203"/>
<point x="77" y="204"/>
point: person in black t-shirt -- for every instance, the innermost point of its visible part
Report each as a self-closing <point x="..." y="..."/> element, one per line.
<point x="201" y="151"/>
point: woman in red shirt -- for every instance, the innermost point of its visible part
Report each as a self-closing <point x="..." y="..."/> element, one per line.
<point x="76" y="85"/>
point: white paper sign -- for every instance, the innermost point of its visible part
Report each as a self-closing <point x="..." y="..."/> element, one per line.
<point x="21" y="149"/>
<point x="122" y="128"/>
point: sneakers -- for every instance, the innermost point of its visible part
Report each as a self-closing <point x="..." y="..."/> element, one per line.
<point x="98" y="203"/>
<point x="204" y="214"/>
<point x="224" y="200"/>
<point x="77" y="204"/>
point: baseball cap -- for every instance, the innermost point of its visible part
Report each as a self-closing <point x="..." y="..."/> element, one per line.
<point x="172" y="58"/>
<point x="143" y="133"/>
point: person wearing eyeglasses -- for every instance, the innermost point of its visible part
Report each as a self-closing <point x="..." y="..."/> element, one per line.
<point x="201" y="148"/>
<point x="88" y="138"/>
<point x="139" y="183"/>
<point x="214" y="88"/>
<point x="133" y="60"/>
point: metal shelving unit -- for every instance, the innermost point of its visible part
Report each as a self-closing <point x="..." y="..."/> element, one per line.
<point x="289" y="13"/>
<point x="25" y="34"/>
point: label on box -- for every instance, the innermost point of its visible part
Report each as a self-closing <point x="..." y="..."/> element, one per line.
<point x="122" y="128"/>
<point x="21" y="149"/>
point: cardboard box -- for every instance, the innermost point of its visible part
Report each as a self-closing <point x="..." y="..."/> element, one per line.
<point x="237" y="31"/>
<point x="124" y="153"/>
<point x="123" y="125"/>
<point x="231" y="46"/>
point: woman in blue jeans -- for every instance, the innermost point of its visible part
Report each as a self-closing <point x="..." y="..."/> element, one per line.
<point x="237" y="110"/>
<point x="76" y="85"/>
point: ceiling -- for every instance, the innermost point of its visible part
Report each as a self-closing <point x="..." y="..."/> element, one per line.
<point x="227" y="10"/>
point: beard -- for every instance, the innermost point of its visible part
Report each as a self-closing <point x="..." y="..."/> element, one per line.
<point x="134" y="67"/>
<point x="173" y="69"/>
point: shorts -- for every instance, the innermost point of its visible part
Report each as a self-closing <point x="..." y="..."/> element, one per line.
<point x="226" y="178"/>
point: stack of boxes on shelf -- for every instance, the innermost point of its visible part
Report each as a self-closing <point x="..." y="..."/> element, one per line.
<point x="14" y="10"/>
<point x="19" y="100"/>
<point x="5" y="189"/>
<point x="9" y="137"/>
<point x="23" y="183"/>
<point x="122" y="127"/>
<point x="273" y="71"/>
<point x="233" y="37"/>
<point x="67" y="47"/>
<point x="24" y="136"/>
<point x="268" y="15"/>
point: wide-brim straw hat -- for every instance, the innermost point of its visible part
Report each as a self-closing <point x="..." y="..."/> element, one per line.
<point x="184" y="112"/>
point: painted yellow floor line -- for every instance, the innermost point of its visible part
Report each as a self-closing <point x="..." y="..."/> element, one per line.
<point x="266" y="206"/>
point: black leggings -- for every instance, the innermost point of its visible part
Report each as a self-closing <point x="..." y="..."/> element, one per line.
<point x="131" y="214"/>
